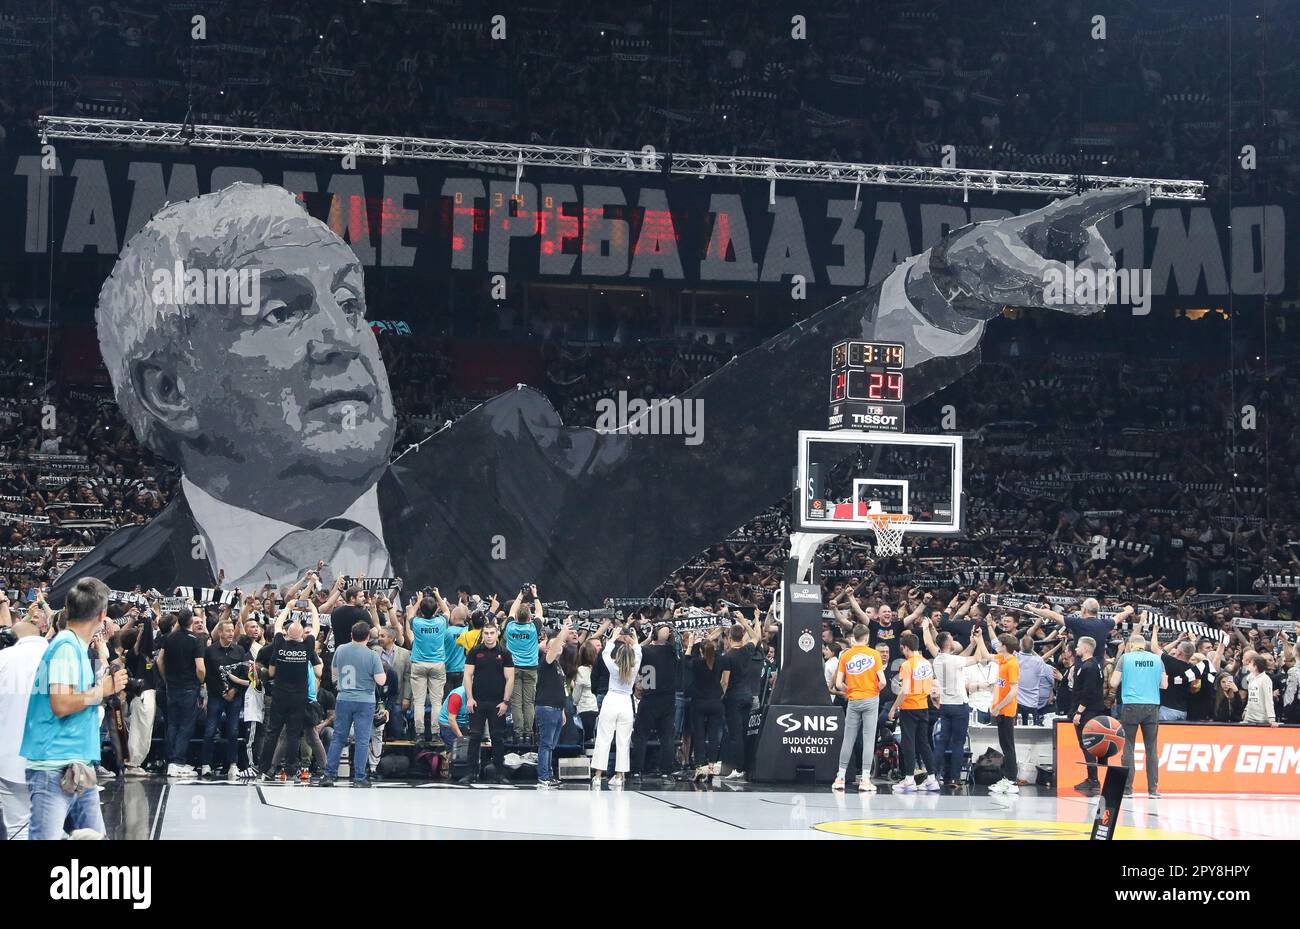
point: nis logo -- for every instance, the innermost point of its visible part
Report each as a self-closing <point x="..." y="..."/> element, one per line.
<point x="791" y="723"/>
<point x="103" y="882"/>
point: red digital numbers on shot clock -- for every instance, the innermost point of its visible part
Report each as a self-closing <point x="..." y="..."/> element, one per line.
<point x="885" y="386"/>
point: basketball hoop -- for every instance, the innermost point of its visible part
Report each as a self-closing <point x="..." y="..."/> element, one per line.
<point x="889" y="528"/>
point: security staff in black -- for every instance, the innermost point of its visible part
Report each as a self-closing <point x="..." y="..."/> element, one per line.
<point x="489" y="680"/>
<point x="1087" y="695"/>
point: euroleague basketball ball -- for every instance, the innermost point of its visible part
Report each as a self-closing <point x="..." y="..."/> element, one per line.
<point x="1103" y="737"/>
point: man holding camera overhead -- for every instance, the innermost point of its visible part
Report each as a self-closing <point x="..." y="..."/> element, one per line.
<point x="428" y="657"/>
<point x="521" y="635"/>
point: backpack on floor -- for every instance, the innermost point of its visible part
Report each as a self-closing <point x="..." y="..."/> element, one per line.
<point x="394" y="765"/>
<point x="987" y="768"/>
<point x="458" y="758"/>
<point x="428" y="764"/>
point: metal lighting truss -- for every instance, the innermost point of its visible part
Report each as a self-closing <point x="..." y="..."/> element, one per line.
<point x="647" y="161"/>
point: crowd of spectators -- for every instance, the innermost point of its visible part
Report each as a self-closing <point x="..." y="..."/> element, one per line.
<point x="1009" y="85"/>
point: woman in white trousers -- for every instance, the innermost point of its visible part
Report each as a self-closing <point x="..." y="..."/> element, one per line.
<point x="623" y="659"/>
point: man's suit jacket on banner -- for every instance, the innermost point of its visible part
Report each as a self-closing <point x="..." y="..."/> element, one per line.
<point x="509" y="495"/>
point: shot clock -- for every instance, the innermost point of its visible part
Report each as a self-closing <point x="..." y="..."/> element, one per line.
<point x="867" y="386"/>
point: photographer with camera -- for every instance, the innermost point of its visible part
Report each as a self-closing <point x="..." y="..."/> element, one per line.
<point x="453" y="651"/>
<point x="428" y="618"/>
<point x="61" y="742"/>
<point x="227" y="666"/>
<point x="522" y="634"/>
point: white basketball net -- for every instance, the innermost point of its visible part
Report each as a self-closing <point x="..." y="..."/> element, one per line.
<point x="889" y="528"/>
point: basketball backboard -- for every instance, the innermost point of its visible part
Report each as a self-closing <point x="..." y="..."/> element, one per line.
<point x="845" y="475"/>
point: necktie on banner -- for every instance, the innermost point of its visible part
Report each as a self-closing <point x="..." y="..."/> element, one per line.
<point x="345" y="546"/>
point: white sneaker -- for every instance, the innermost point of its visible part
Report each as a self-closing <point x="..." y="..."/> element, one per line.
<point x="838" y="784"/>
<point x="906" y="786"/>
<point x="595" y="781"/>
<point x="232" y="774"/>
<point x="999" y="787"/>
<point x="1012" y="787"/>
<point x="103" y="773"/>
<point x="134" y="770"/>
<point x="206" y="772"/>
<point x="865" y="786"/>
<point x="930" y="783"/>
<point x="716" y="768"/>
<point x="735" y="776"/>
<point x="616" y="782"/>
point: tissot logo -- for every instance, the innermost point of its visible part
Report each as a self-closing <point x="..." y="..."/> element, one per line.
<point x="103" y="882"/>
<point x="816" y="723"/>
<point x="874" y="419"/>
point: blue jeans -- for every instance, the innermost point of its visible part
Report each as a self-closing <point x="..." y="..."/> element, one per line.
<point x="359" y="717"/>
<point x="549" y="719"/>
<point x="51" y="807"/>
<point x="1169" y="715"/>
<point x="954" y="720"/>
<point x="219" y="710"/>
<point x="182" y="712"/>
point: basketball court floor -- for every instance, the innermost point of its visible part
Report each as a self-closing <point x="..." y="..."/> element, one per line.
<point x="193" y="810"/>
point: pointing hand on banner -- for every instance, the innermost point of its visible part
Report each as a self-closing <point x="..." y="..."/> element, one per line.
<point x="1007" y="262"/>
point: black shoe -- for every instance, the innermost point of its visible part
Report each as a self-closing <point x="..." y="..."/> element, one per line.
<point x="1087" y="785"/>
<point x="467" y="780"/>
<point x="364" y="782"/>
<point x="1128" y="791"/>
<point x="325" y="781"/>
<point x="555" y="782"/>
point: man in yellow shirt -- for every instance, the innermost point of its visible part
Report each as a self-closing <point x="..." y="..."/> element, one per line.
<point x="916" y="677"/>
<point x="858" y="679"/>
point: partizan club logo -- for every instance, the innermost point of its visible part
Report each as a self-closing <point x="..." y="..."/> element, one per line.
<point x="806" y="641"/>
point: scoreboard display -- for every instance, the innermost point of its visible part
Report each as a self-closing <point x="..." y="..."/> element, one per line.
<point x="886" y="386"/>
<point x="867" y="386"/>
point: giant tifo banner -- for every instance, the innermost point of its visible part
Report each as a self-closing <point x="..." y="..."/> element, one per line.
<point x="612" y="226"/>
<point x="233" y="321"/>
<point x="1204" y="758"/>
